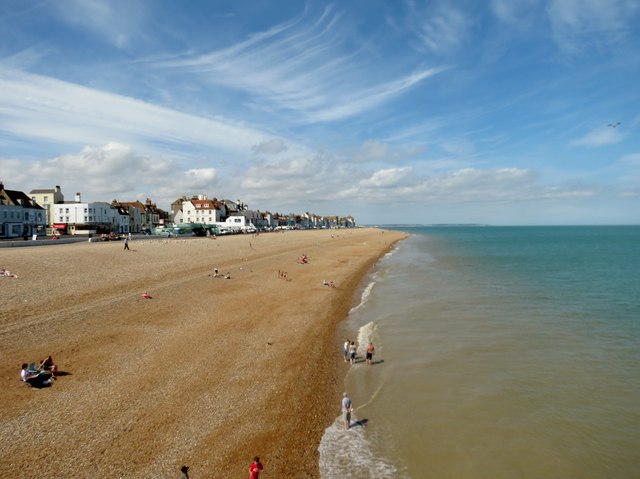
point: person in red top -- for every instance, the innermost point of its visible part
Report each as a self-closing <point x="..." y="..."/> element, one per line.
<point x="255" y="468"/>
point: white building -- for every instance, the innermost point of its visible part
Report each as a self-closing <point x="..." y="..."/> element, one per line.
<point x="78" y="218"/>
<point x="202" y="211"/>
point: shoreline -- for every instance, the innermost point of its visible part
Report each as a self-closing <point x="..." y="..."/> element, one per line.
<point x="208" y="373"/>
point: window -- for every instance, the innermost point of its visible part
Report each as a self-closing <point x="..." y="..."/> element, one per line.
<point x="85" y="211"/>
<point x="85" y="218"/>
<point x="46" y="199"/>
<point x="66" y="210"/>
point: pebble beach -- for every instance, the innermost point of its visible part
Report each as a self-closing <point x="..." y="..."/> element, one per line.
<point x="208" y="372"/>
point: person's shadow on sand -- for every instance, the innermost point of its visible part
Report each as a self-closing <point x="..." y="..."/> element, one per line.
<point x="360" y="423"/>
<point x="44" y="380"/>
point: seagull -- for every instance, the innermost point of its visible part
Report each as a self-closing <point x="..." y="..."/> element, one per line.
<point x="614" y="125"/>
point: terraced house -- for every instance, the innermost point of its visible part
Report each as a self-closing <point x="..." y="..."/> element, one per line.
<point x="20" y="215"/>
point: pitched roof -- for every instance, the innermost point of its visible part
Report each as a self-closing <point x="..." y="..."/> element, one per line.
<point x="18" y="198"/>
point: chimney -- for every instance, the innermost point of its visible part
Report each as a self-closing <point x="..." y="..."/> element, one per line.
<point x="78" y="198"/>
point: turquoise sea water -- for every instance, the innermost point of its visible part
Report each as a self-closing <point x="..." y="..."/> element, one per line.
<point x="501" y="352"/>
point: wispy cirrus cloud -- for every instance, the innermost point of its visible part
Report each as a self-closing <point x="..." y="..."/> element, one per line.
<point x="439" y="28"/>
<point x="113" y="22"/>
<point x="34" y="106"/>
<point x="580" y="25"/>
<point x="308" y="69"/>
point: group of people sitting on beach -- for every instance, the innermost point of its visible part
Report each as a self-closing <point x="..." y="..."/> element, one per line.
<point x="40" y="376"/>
<point x="5" y="273"/>
<point x="283" y="275"/>
<point x="216" y="274"/>
<point x="331" y="284"/>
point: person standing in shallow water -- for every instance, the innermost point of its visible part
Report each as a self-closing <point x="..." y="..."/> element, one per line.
<point x="370" y="351"/>
<point x="352" y="353"/>
<point x="347" y="409"/>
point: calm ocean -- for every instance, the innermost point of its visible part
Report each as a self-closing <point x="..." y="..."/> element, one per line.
<point x="501" y="353"/>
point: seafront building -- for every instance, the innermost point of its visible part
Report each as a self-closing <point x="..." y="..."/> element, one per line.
<point x="47" y="198"/>
<point x="45" y="211"/>
<point x="20" y="215"/>
<point x="80" y="218"/>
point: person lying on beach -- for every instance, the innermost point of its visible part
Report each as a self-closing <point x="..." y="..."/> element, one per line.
<point x="146" y="295"/>
<point x="36" y="379"/>
<point x="7" y="274"/>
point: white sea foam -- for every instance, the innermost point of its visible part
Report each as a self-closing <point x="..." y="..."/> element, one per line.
<point x="365" y="294"/>
<point x="347" y="454"/>
<point x="366" y="333"/>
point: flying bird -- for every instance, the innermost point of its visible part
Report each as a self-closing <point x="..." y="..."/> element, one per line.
<point x="614" y="125"/>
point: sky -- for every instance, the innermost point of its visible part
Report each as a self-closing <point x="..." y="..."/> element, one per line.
<point x="503" y="112"/>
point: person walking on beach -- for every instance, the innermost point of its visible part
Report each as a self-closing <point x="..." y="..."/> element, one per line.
<point x="255" y="468"/>
<point x="345" y="352"/>
<point x="126" y="243"/>
<point x="347" y="409"/>
<point x="370" y="351"/>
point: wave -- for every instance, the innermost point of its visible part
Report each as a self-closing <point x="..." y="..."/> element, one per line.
<point x="365" y="294"/>
<point x="348" y="454"/>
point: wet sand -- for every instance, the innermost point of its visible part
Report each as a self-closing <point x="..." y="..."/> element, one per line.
<point x="208" y="373"/>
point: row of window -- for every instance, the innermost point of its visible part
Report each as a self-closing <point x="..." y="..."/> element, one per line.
<point x="17" y="216"/>
<point x="203" y="212"/>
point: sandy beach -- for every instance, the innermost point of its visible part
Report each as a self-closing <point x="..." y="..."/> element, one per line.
<point x="208" y="373"/>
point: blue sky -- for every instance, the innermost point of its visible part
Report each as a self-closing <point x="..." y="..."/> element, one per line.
<point x="501" y="112"/>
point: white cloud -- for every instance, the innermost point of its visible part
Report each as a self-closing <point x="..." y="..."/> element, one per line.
<point x="113" y="171"/>
<point x="387" y="177"/>
<point x="270" y="147"/>
<point x="633" y="159"/>
<point x="376" y="150"/>
<point x="599" y="137"/>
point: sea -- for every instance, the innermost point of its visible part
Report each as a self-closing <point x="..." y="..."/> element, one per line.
<point x="501" y="352"/>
